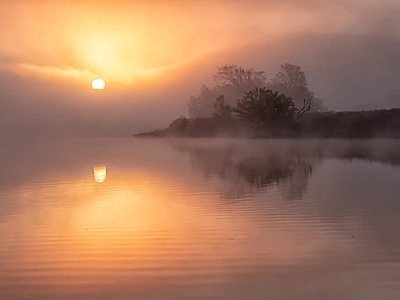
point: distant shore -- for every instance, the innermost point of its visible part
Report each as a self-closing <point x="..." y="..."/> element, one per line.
<point x="351" y="124"/>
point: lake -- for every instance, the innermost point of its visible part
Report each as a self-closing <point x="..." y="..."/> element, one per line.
<point x="199" y="219"/>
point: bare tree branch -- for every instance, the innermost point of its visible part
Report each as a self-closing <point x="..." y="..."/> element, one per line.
<point x="306" y="107"/>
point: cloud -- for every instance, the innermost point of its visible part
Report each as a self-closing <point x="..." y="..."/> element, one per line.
<point x="48" y="71"/>
<point x="155" y="54"/>
<point x="124" y="39"/>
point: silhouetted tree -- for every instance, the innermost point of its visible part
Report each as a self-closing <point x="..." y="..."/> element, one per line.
<point x="317" y="105"/>
<point x="291" y="81"/>
<point x="232" y="81"/>
<point x="221" y="109"/>
<point x="240" y="78"/>
<point x="203" y="104"/>
<point x="266" y="108"/>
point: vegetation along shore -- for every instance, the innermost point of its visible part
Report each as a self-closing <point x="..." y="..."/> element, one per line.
<point x="244" y="104"/>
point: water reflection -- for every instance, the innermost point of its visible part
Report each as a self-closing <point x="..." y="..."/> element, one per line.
<point x="254" y="165"/>
<point x="100" y="174"/>
<point x="159" y="228"/>
<point x="251" y="169"/>
<point x="149" y="238"/>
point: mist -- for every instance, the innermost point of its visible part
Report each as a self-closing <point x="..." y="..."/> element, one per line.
<point x="349" y="53"/>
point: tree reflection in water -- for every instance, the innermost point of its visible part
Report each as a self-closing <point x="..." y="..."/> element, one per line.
<point x="250" y="165"/>
<point x="251" y="169"/>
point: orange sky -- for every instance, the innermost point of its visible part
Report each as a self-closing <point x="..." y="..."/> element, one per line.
<point x="126" y="41"/>
<point x="152" y="52"/>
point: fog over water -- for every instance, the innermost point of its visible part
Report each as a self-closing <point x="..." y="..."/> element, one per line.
<point x="199" y="219"/>
<point x="89" y="212"/>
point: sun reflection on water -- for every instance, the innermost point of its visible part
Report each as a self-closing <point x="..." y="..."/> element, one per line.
<point x="100" y="174"/>
<point x="148" y="226"/>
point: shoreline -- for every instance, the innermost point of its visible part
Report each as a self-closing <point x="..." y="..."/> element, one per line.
<point x="349" y="125"/>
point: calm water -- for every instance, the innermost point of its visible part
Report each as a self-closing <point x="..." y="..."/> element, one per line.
<point x="199" y="219"/>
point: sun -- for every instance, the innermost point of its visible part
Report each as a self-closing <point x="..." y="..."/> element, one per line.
<point x="98" y="84"/>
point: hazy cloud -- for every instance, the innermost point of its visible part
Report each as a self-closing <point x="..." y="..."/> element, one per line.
<point x="155" y="54"/>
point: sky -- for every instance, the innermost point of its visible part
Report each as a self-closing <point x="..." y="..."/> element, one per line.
<point x="154" y="54"/>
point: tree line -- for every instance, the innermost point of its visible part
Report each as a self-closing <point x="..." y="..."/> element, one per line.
<point x="246" y="92"/>
<point x="244" y="104"/>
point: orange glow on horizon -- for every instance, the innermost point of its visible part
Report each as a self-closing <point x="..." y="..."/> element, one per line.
<point x="131" y="42"/>
<point x="119" y="41"/>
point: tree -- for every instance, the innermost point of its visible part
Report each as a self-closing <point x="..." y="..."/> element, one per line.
<point x="240" y="78"/>
<point x="232" y="81"/>
<point x="268" y="109"/>
<point x="203" y="104"/>
<point x="290" y="76"/>
<point x="291" y="81"/>
<point x="221" y="109"/>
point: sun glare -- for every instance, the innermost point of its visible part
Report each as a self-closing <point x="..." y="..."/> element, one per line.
<point x="98" y="84"/>
<point x="100" y="174"/>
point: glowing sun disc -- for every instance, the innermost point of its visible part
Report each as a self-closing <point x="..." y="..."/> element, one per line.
<point x="98" y="84"/>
